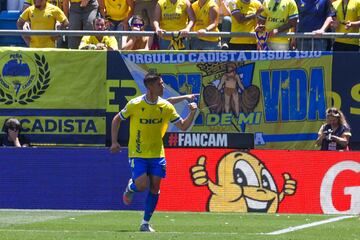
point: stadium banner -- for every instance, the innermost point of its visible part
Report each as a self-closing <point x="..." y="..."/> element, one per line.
<point x="200" y="180"/>
<point x="263" y="181"/>
<point x="280" y="97"/>
<point x="346" y="89"/>
<point x="59" y="96"/>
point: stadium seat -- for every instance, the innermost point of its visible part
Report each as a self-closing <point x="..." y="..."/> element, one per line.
<point x="8" y="21"/>
<point x="13" y="5"/>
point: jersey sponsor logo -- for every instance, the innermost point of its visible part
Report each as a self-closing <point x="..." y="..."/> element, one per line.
<point x="202" y="140"/>
<point x="23" y="78"/>
<point x="150" y="121"/>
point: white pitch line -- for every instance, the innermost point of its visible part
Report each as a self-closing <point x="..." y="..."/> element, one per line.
<point x="313" y="224"/>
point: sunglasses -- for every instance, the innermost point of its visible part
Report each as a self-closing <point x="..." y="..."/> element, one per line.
<point x="139" y="25"/>
<point x="14" y="128"/>
<point x="333" y="111"/>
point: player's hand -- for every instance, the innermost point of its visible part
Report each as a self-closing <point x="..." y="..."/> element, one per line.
<point x="115" y="147"/>
<point x="198" y="172"/>
<point x="193" y="106"/>
<point x="191" y="97"/>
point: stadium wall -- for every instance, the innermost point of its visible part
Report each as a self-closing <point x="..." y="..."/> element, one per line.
<point x="68" y="97"/>
<point x="272" y="181"/>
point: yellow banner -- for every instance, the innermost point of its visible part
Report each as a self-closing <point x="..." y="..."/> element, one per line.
<point x="55" y="92"/>
<point x="52" y="79"/>
<point x="281" y="97"/>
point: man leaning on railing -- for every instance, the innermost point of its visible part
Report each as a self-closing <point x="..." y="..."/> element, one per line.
<point x="42" y="16"/>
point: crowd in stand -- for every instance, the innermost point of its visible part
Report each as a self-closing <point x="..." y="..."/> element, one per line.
<point x="267" y="19"/>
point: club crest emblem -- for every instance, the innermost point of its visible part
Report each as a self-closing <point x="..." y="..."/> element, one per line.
<point x="23" y="79"/>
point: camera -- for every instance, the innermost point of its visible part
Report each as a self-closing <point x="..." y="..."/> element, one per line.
<point x="328" y="134"/>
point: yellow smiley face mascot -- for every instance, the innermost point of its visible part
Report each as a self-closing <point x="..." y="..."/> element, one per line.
<point x="243" y="184"/>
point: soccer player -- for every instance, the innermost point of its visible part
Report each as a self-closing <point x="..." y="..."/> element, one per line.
<point x="149" y="116"/>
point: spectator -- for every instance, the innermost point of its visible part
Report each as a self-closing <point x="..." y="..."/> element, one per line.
<point x="61" y="42"/>
<point x="118" y="14"/>
<point x="81" y="14"/>
<point x="28" y="3"/>
<point x="99" y="42"/>
<point x="173" y="15"/>
<point x="347" y="21"/>
<point x="278" y="16"/>
<point x="335" y="133"/>
<point x="42" y="16"/>
<point x="12" y="137"/>
<point x="225" y="20"/>
<point x="138" y="42"/>
<point x="316" y="17"/>
<point x="207" y="15"/>
<point x="243" y="19"/>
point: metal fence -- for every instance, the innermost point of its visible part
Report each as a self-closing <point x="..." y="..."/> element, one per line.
<point x="119" y="34"/>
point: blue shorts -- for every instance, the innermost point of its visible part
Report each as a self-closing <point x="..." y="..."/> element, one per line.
<point x="150" y="166"/>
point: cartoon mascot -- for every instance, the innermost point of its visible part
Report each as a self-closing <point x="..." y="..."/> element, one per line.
<point x="244" y="184"/>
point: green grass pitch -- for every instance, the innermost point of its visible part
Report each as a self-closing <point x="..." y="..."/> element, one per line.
<point x="104" y="225"/>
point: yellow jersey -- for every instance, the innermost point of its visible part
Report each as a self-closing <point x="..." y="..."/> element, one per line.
<point x="351" y="13"/>
<point x="276" y="13"/>
<point x="117" y="10"/>
<point x="109" y="41"/>
<point x="249" y="26"/>
<point x="174" y="17"/>
<point x="203" y="18"/>
<point x="43" y="20"/>
<point x="148" y="124"/>
<point x="57" y="3"/>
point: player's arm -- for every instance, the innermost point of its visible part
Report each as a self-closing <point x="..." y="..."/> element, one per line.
<point x="115" y="125"/>
<point x="184" y="124"/>
<point x="177" y="99"/>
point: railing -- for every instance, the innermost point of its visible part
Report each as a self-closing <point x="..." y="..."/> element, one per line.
<point x="151" y="33"/>
<point x="308" y="35"/>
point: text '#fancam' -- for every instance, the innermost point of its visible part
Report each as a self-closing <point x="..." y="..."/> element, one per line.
<point x="217" y="140"/>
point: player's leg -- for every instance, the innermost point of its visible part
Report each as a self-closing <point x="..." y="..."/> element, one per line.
<point x="138" y="180"/>
<point x="156" y="172"/>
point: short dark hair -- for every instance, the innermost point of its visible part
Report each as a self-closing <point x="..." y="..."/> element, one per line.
<point x="97" y="19"/>
<point x="150" y="78"/>
<point x="11" y="123"/>
<point x="137" y="17"/>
